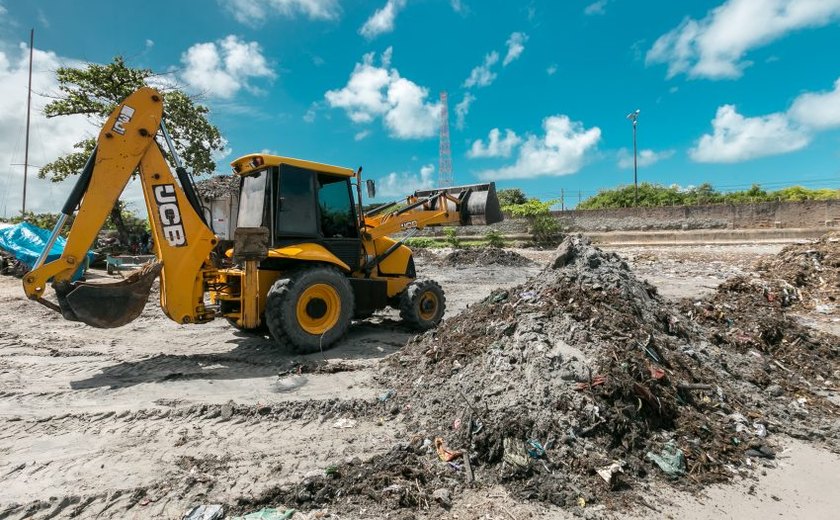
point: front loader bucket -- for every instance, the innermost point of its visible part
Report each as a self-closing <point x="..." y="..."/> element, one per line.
<point x="478" y="203"/>
<point x="107" y="305"/>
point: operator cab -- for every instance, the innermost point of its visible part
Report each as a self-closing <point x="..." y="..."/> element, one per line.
<point x="300" y="201"/>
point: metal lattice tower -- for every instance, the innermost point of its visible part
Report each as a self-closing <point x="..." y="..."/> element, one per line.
<point x="445" y="165"/>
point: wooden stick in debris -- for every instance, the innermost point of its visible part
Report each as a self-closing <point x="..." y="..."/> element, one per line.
<point x="694" y="386"/>
<point x="467" y="465"/>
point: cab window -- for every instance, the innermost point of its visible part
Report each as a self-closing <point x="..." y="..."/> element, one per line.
<point x="336" y="207"/>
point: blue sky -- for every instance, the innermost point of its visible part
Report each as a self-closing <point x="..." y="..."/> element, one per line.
<point x="731" y="92"/>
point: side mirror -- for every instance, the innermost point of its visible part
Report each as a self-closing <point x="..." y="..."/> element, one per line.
<point x="371" y="188"/>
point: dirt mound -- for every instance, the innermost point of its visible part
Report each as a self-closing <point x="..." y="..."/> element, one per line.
<point x="581" y="384"/>
<point x="812" y="268"/>
<point x="485" y="256"/>
<point x="581" y="387"/>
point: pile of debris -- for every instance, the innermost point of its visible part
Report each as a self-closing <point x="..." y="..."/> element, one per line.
<point x="484" y="256"/>
<point x="10" y="265"/>
<point x="581" y="386"/>
<point x="218" y="186"/>
<point x="812" y="268"/>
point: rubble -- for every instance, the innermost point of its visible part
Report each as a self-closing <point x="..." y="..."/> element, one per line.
<point x="484" y="256"/>
<point x="812" y="268"/>
<point x="589" y="363"/>
<point x="218" y="186"/>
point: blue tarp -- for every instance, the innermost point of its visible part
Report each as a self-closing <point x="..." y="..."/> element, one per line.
<point x="26" y="242"/>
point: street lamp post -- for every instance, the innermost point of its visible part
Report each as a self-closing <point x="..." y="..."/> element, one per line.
<point x="634" y="117"/>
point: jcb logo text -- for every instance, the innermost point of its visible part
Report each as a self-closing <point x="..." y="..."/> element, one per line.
<point x="126" y="113"/>
<point x="170" y="215"/>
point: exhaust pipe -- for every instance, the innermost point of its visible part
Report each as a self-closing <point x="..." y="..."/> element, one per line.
<point x="477" y="204"/>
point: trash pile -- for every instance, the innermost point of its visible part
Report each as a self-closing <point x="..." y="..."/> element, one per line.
<point x="484" y="256"/>
<point x="812" y="268"/>
<point x="218" y="186"/>
<point x="582" y="386"/>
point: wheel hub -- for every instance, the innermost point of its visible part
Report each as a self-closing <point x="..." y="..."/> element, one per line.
<point x="318" y="309"/>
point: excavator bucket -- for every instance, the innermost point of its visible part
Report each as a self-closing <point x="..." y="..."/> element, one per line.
<point x="476" y="203"/>
<point x="107" y="305"/>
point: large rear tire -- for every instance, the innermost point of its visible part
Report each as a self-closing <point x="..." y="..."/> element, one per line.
<point x="422" y="304"/>
<point x="310" y="310"/>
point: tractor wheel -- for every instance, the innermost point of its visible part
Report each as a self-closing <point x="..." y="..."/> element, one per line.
<point x="422" y="304"/>
<point x="310" y="310"/>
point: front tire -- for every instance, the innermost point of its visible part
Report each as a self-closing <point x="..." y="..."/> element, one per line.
<point x="310" y="310"/>
<point x="422" y="304"/>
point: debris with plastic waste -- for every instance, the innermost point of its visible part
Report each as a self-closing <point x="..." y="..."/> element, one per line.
<point x="515" y="452"/>
<point x="267" y="513"/>
<point x="445" y="454"/>
<point x="671" y="459"/>
<point x="608" y="472"/>
<point x="205" y="512"/>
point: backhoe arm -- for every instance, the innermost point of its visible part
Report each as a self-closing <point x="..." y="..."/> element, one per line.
<point x="456" y="206"/>
<point x="183" y="241"/>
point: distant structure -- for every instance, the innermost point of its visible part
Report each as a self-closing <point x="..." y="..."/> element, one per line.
<point x="445" y="166"/>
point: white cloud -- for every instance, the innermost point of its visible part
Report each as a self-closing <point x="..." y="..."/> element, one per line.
<point x="496" y="146"/>
<point x="714" y="47"/>
<point x="401" y="184"/>
<point x="599" y="7"/>
<point x="457" y="6"/>
<point x="150" y="44"/>
<point x="50" y="138"/>
<point x="736" y="138"/>
<point x="462" y="109"/>
<point x="646" y="157"/>
<point x="561" y="151"/>
<point x="515" y="46"/>
<point x="361" y="135"/>
<point x="382" y="20"/>
<point x="379" y="91"/>
<point x="820" y="110"/>
<point x="551" y="69"/>
<point x="256" y="12"/>
<point x="483" y="75"/>
<point x="224" y="67"/>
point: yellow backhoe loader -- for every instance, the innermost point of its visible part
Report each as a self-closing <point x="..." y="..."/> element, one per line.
<point x="305" y="259"/>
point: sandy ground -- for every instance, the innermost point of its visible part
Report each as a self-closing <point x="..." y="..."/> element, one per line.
<point x="149" y="419"/>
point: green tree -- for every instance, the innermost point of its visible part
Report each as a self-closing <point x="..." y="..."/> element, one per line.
<point x="511" y="196"/>
<point x="94" y="90"/>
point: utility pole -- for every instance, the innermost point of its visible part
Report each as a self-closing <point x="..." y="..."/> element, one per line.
<point x="28" y="110"/>
<point x="445" y="165"/>
<point x="634" y="117"/>
<point x="562" y="199"/>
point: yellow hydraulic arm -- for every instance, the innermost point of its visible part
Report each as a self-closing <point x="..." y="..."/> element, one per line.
<point x="457" y="206"/>
<point x="182" y="241"/>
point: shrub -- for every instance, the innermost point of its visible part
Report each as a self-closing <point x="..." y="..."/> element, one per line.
<point x="494" y="238"/>
<point x="452" y="238"/>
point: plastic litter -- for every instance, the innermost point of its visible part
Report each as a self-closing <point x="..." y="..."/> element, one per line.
<point x="608" y="472"/>
<point x="267" y="513"/>
<point x="344" y="423"/>
<point x="445" y="454"/>
<point x="671" y="459"/>
<point x="515" y="452"/>
<point x="205" y="512"/>
<point x="535" y="449"/>
<point x="387" y="395"/>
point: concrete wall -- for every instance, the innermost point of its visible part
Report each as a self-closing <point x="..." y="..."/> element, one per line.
<point x="806" y="214"/>
<point x="765" y="215"/>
